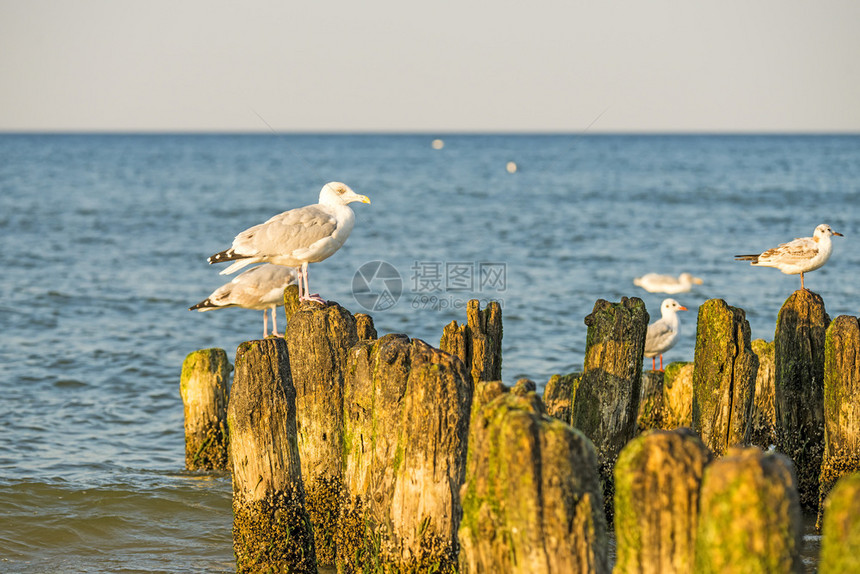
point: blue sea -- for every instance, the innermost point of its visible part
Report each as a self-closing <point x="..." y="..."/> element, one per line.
<point x="104" y="247"/>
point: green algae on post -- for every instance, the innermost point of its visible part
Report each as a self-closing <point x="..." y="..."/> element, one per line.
<point x="204" y="386"/>
<point x="763" y="415"/>
<point x="723" y="376"/>
<point x="799" y="388"/>
<point x="478" y="342"/>
<point x="532" y="496"/>
<point x="749" y="517"/>
<point x="559" y="395"/>
<point x="271" y="528"/>
<point x="319" y="338"/>
<point x="840" y="532"/>
<point x="678" y="395"/>
<point x="841" y="403"/>
<point x="657" y="480"/>
<point x="406" y="416"/>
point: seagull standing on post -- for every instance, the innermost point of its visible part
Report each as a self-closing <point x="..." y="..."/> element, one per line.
<point x="799" y="256"/>
<point x="297" y="237"/>
<point x="663" y="333"/>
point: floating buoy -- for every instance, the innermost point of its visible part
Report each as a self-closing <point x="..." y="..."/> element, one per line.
<point x="438" y="144"/>
<point x="511" y="167"/>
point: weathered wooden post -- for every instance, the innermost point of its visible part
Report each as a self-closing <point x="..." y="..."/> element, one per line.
<point x="840" y="533"/>
<point x="723" y="376"/>
<point x="204" y="386"/>
<point x="478" y="343"/>
<point x="364" y="327"/>
<point x="841" y="403"/>
<point x="763" y="418"/>
<point x="607" y="398"/>
<point x="559" y="395"/>
<point x="406" y="418"/>
<point x="749" y="518"/>
<point x="319" y="338"/>
<point x="650" y="414"/>
<point x="678" y="395"/>
<point x="271" y="528"/>
<point x="532" y="497"/>
<point x="657" y="481"/>
<point x="799" y="388"/>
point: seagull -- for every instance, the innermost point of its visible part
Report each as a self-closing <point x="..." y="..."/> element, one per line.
<point x="663" y="333"/>
<point x="260" y="288"/>
<point x="799" y="256"/>
<point x="297" y="237"/>
<point x="655" y="283"/>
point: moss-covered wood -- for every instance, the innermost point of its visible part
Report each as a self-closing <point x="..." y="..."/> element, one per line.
<point x="840" y="533"/>
<point x="799" y="388"/>
<point x="271" y="528"/>
<point x="407" y="409"/>
<point x="607" y="398"/>
<point x="532" y="497"/>
<point x="650" y="414"/>
<point x="763" y="416"/>
<point x="723" y="376"/>
<point x="678" y="395"/>
<point x="478" y="343"/>
<point x="749" y="519"/>
<point x="559" y="395"/>
<point x="657" y="480"/>
<point x="319" y="338"/>
<point x="204" y="386"/>
<point x="364" y="327"/>
<point x="841" y="403"/>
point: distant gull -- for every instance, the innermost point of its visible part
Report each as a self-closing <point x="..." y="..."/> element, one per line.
<point x="297" y="237"/>
<point x="655" y="283"/>
<point x="260" y="288"/>
<point x="663" y="333"/>
<point x="799" y="256"/>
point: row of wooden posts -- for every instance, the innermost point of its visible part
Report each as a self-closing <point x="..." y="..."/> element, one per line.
<point x="389" y="455"/>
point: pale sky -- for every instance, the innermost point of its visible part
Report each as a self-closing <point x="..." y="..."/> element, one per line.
<point x="438" y="66"/>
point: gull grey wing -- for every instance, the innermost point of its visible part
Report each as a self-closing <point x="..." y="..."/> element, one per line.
<point x="286" y="232"/>
<point x="796" y="251"/>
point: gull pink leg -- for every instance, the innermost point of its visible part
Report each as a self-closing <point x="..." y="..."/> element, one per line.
<point x="265" y="324"/>
<point x="275" y="322"/>
<point x="315" y="297"/>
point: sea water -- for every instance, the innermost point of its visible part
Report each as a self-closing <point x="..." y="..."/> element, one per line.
<point x="104" y="247"/>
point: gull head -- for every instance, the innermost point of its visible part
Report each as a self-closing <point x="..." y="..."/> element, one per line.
<point x="670" y="307"/>
<point x="688" y="278"/>
<point x="337" y="193"/>
<point x="824" y="230"/>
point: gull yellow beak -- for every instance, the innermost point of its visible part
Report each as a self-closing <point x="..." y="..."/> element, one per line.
<point x="364" y="199"/>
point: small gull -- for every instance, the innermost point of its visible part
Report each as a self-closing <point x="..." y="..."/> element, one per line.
<point x="655" y="283"/>
<point x="260" y="288"/>
<point x="297" y="237"/>
<point x="663" y="333"/>
<point x="799" y="256"/>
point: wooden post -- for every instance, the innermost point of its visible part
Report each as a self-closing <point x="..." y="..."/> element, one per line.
<point x="799" y="388"/>
<point x="478" y="343"/>
<point x="204" y="386"/>
<point x="607" y="398"/>
<point x="678" y="395"/>
<point x="723" y="376"/>
<point x="271" y="528"/>
<point x="763" y="417"/>
<point x="841" y="404"/>
<point x="657" y="481"/>
<point x="650" y="414"/>
<point x="319" y="338"/>
<point x="749" y="518"/>
<point x="559" y="395"/>
<point x="532" y="497"/>
<point x="364" y="327"/>
<point x="840" y="533"/>
<point x="406" y="411"/>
